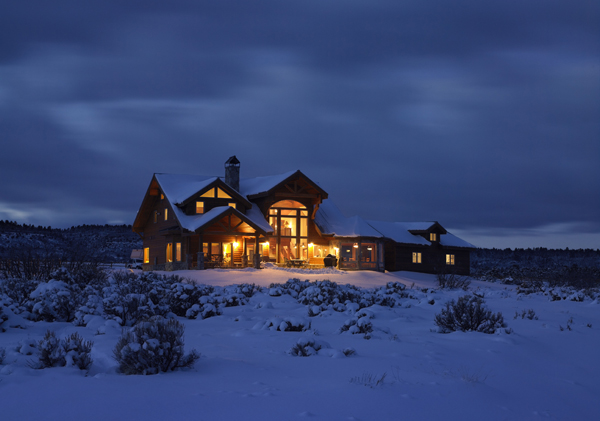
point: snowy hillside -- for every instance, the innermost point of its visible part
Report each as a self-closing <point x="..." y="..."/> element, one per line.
<point x="542" y="365"/>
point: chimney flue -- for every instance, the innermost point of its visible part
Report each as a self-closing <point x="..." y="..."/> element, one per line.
<point x="232" y="173"/>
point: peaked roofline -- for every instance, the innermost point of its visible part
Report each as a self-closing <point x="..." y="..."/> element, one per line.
<point x="296" y="174"/>
<point x="217" y="183"/>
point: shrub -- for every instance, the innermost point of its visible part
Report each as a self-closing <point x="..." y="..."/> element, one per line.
<point x="2" y="355"/>
<point x="452" y="281"/>
<point x="357" y="326"/>
<point x="287" y="324"/>
<point x="468" y="314"/>
<point x="51" y="353"/>
<point x="152" y="347"/>
<point x="305" y="348"/>
<point x="77" y="351"/>
<point x="3" y="317"/>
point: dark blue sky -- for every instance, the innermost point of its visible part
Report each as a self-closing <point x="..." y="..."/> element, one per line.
<point x="484" y="116"/>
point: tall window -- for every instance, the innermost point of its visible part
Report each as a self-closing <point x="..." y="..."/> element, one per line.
<point x="166" y="214"/>
<point x="416" y="258"/>
<point x="169" y="252"/>
<point x="147" y="255"/>
<point x="178" y="252"/>
<point x="289" y="220"/>
<point x="449" y="259"/>
<point x="432" y="236"/>
<point x="199" y="208"/>
<point x="155" y="217"/>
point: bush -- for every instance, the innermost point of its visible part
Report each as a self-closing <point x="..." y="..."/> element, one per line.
<point x="305" y="348"/>
<point x="468" y="314"/>
<point x="152" y="347"/>
<point x="358" y="325"/>
<point x="3" y="317"/>
<point x="2" y="355"/>
<point x="77" y="351"/>
<point x="51" y="353"/>
<point x="452" y="281"/>
<point x="71" y="351"/>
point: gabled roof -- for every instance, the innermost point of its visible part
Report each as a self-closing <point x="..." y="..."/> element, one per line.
<point x="408" y="233"/>
<point x="180" y="189"/>
<point x="262" y="186"/>
<point x="198" y="222"/>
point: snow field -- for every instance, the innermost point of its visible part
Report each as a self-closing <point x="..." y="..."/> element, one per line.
<point x="405" y="371"/>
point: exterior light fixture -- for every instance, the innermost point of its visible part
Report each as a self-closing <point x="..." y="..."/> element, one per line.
<point x="355" y="245"/>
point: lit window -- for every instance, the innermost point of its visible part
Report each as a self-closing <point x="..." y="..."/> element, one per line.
<point x="155" y="217"/>
<point x="169" y="252"/>
<point x="162" y="196"/>
<point x="209" y="193"/>
<point x="199" y="208"/>
<point x="222" y="195"/>
<point x="166" y="214"/>
<point x="147" y="255"/>
<point x="449" y="259"/>
<point x="416" y="257"/>
<point x="232" y="204"/>
<point x="433" y="236"/>
<point x="178" y="252"/>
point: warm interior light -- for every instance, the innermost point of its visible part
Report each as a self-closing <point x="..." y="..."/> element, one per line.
<point x="355" y="245"/>
<point x="369" y="248"/>
<point x="311" y="245"/>
<point x="236" y="244"/>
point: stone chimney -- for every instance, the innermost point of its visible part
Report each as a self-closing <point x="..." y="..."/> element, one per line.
<point x="232" y="173"/>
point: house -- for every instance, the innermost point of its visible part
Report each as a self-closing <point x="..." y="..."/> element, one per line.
<point x="189" y="221"/>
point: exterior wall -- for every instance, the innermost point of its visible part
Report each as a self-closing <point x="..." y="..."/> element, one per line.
<point x="433" y="259"/>
<point x="153" y="239"/>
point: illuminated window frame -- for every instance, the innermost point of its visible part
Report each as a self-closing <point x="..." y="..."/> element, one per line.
<point x="231" y="204"/>
<point x="450" y="259"/>
<point x="166" y="214"/>
<point x="432" y="236"/>
<point x="178" y="252"/>
<point x="147" y="255"/>
<point x="417" y="257"/>
<point x="199" y="207"/>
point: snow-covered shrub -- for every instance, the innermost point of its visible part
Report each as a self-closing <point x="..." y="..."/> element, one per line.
<point x="51" y="352"/>
<point x="54" y="300"/>
<point x="3" y="317"/>
<point x="468" y="314"/>
<point x="77" y="351"/>
<point x="358" y="326"/>
<point x="452" y="281"/>
<point x="130" y="298"/>
<point x="18" y="290"/>
<point x="2" y="355"/>
<point x="182" y="296"/>
<point x="153" y="346"/>
<point x="91" y="307"/>
<point x="529" y="314"/>
<point x="287" y="324"/>
<point x="305" y="347"/>
<point x="205" y="311"/>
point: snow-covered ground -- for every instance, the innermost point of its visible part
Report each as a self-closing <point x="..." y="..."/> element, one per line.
<point x="547" y="368"/>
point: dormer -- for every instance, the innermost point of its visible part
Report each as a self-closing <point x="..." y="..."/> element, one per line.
<point x="216" y="194"/>
<point x="431" y="233"/>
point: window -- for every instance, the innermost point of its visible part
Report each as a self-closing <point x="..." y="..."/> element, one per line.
<point x="199" y="208"/>
<point x="147" y="255"/>
<point x="417" y="257"/>
<point x="162" y="196"/>
<point x="222" y="195"/>
<point x="433" y="236"/>
<point x="178" y="252"/>
<point x="449" y="259"/>
<point x="155" y="217"/>
<point x="169" y="252"/>
<point x="209" y="193"/>
<point x="232" y="204"/>
<point x="166" y="214"/>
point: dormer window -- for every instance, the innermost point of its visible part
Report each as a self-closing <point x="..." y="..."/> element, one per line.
<point x="433" y="237"/>
<point x="216" y="192"/>
<point x="222" y="195"/>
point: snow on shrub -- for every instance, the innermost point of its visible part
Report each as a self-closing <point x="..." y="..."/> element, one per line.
<point x="71" y="351"/>
<point x="3" y="317"/>
<point x="358" y="326"/>
<point x="77" y="351"/>
<point x="182" y="296"/>
<point x="153" y="346"/>
<point x="287" y="324"/>
<point x="2" y="355"/>
<point x="468" y="314"/>
<point x="54" y="300"/>
<point x="305" y="347"/>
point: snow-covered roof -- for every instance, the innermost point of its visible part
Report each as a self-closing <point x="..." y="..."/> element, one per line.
<point x="194" y="222"/>
<point x="179" y="187"/>
<point x="399" y="231"/>
<point x="331" y="220"/>
<point x="256" y="185"/>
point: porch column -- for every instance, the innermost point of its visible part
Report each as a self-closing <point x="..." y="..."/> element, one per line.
<point x="257" y="253"/>
<point x="200" y="253"/>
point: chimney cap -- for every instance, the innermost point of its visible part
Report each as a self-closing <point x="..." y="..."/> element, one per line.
<point x="232" y="161"/>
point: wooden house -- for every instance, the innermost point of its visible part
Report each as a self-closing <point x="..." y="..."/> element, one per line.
<point x="200" y="222"/>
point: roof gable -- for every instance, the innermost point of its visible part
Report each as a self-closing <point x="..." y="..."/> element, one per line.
<point x="295" y="183"/>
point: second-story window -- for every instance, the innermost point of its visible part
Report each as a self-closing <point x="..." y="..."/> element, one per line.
<point x="432" y="237"/>
<point x="199" y="208"/>
<point x="166" y="214"/>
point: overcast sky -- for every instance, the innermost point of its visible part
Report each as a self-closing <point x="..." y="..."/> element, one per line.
<point x="484" y="116"/>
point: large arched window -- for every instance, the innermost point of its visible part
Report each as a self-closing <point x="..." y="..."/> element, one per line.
<point x="289" y="220"/>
